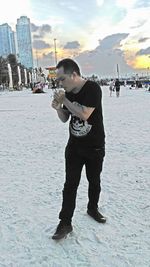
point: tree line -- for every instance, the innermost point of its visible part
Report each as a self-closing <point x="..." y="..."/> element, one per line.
<point x="4" y="75"/>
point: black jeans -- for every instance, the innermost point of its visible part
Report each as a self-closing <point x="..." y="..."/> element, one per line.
<point x="76" y="157"/>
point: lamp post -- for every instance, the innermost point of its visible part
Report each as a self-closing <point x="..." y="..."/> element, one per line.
<point x="55" y="51"/>
<point x="118" y="70"/>
<point x="37" y="61"/>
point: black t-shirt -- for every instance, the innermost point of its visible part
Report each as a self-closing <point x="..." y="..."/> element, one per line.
<point x="117" y="84"/>
<point x="88" y="133"/>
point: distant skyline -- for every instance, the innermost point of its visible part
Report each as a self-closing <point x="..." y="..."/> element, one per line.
<point x="98" y="34"/>
<point x="24" y="42"/>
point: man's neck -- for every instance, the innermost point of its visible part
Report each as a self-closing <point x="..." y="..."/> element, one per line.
<point x="79" y="86"/>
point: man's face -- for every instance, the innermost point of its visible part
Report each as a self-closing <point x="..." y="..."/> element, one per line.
<point x="66" y="80"/>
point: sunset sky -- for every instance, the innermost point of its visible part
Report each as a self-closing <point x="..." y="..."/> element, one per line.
<point x="98" y="34"/>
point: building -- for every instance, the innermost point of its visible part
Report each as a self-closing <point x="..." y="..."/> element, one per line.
<point x="7" y="40"/>
<point x="24" y="41"/>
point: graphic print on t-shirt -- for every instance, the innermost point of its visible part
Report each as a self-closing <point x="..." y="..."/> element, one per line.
<point x="79" y="127"/>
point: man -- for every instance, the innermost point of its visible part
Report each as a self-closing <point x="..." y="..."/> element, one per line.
<point x="81" y="101"/>
<point x="111" y="87"/>
<point x="117" y="85"/>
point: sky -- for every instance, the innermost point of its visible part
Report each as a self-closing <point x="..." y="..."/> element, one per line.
<point x="98" y="34"/>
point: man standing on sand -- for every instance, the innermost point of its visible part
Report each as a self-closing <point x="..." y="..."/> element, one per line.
<point x="117" y="86"/>
<point x="111" y="87"/>
<point x="81" y="101"/>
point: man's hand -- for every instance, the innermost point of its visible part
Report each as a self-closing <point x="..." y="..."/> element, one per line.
<point x="59" y="96"/>
<point x="55" y="104"/>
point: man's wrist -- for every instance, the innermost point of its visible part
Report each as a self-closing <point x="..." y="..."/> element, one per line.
<point x="64" y="100"/>
<point x="60" y="107"/>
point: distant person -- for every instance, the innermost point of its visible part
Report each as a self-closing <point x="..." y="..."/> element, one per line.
<point x="111" y="87"/>
<point x="38" y="89"/>
<point x="117" y="87"/>
<point x="53" y="83"/>
<point x="81" y="102"/>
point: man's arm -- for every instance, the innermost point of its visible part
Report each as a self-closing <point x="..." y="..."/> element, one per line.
<point x="62" y="113"/>
<point x="78" y="110"/>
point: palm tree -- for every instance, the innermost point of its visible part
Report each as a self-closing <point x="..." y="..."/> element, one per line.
<point x="4" y="78"/>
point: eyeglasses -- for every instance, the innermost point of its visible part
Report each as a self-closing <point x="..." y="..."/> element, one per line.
<point x="63" y="78"/>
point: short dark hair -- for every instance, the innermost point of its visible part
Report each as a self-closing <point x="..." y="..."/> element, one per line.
<point x="69" y="66"/>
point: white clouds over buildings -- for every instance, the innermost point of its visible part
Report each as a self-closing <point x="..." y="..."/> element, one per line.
<point x="122" y="27"/>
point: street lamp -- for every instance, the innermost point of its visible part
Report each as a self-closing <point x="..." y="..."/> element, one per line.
<point x="118" y="70"/>
<point x="55" y="51"/>
<point x="37" y="61"/>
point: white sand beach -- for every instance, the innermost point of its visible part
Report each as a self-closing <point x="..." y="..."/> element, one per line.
<point x="32" y="142"/>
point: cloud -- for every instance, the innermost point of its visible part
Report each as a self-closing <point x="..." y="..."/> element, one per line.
<point x="36" y="36"/>
<point x="143" y="52"/>
<point x="48" y="59"/>
<point x="142" y="3"/>
<point x="40" y="31"/>
<point x="68" y="5"/>
<point x="128" y="4"/>
<point x="104" y="23"/>
<point x="44" y="29"/>
<point x="104" y="59"/>
<point x="47" y="55"/>
<point x="112" y="41"/>
<point x="34" y="28"/>
<point x="40" y="44"/>
<point x="100" y="2"/>
<point x="142" y="40"/>
<point x="10" y="11"/>
<point x="139" y="24"/>
<point x="136" y="20"/>
<point x="72" y="45"/>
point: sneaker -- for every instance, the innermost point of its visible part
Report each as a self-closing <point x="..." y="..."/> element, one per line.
<point x="62" y="231"/>
<point x="96" y="215"/>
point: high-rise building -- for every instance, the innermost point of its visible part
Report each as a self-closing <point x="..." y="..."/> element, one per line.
<point x="7" y="40"/>
<point x="24" y="41"/>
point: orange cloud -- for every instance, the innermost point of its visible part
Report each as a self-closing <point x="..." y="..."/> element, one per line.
<point x="61" y="53"/>
<point x="135" y="61"/>
<point x="141" y="62"/>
